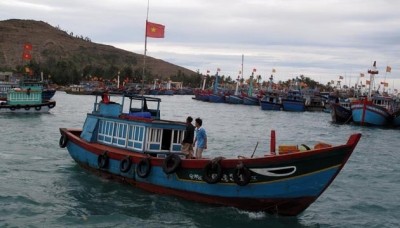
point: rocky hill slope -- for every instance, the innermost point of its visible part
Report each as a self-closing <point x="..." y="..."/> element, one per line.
<point x="50" y="44"/>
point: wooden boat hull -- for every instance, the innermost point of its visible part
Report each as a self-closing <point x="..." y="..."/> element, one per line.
<point x="366" y="113"/>
<point x="233" y="99"/>
<point x="293" y="105"/>
<point x="285" y="184"/>
<point x="340" y="114"/>
<point x="251" y="101"/>
<point x="216" y="98"/>
<point x="265" y="105"/>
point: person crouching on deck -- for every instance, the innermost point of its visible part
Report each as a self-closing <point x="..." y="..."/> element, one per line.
<point x="201" y="138"/>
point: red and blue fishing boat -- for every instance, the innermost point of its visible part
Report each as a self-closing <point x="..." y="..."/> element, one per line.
<point x="134" y="145"/>
<point x="373" y="109"/>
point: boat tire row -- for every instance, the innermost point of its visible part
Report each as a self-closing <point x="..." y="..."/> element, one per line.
<point x="212" y="172"/>
<point x="28" y="107"/>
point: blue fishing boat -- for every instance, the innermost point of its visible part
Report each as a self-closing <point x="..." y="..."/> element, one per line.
<point x="293" y="102"/>
<point x="26" y="98"/>
<point x="234" y="99"/>
<point x="134" y="145"/>
<point x="271" y="101"/>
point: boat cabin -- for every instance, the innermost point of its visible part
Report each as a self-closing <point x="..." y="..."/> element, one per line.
<point x="133" y="125"/>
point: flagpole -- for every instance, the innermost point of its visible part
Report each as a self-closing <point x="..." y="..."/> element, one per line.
<point x="145" y="46"/>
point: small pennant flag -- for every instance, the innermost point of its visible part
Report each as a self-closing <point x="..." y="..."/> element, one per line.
<point x="26" y="56"/>
<point x="388" y="69"/>
<point x="254" y="70"/>
<point x="218" y="69"/>
<point x="273" y="70"/>
<point x="361" y="75"/>
<point x="27" y="46"/>
<point x="340" y="77"/>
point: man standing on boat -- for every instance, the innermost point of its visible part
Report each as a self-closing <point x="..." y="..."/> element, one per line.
<point x="201" y="138"/>
<point x="187" y="142"/>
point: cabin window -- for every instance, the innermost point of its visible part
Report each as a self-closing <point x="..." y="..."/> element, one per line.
<point x="135" y="137"/>
<point x="119" y="138"/>
<point x="106" y="129"/>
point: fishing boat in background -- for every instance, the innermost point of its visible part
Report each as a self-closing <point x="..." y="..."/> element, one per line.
<point x="341" y="111"/>
<point x="373" y="109"/>
<point x="252" y="99"/>
<point x="396" y="119"/>
<point x="132" y="143"/>
<point x="272" y="98"/>
<point x="293" y="102"/>
<point x="26" y="98"/>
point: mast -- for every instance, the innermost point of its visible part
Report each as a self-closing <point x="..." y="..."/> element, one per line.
<point x="145" y="46"/>
<point x="372" y="72"/>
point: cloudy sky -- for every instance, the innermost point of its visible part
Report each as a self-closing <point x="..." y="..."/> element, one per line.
<point x="318" y="39"/>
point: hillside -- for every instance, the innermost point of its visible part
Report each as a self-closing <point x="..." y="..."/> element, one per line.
<point x="52" y="45"/>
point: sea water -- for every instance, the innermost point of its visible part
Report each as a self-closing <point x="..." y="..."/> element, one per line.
<point x="41" y="186"/>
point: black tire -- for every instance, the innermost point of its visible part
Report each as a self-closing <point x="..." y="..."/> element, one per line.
<point x="103" y="160"/>
<point x="37" y="108"/>
<point x="171" y="163"/>
<point x="212" y="172"/>
<point x="63" y="141"/>
<point x="241" y="175"/>
<point x="125" y="164"/>
<point x="27" y="107"/>
<point x="143" y="168"/>
<point x="51" y="105"/>
<point x="12" y="108"/>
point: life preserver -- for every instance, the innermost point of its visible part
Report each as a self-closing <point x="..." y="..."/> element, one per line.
<point x="241" y="175"/>
<point x="143" y="168"/>
<point x="37" y="108"/>
<point x="212" y="172"/>
<point x="63" y="141"/>
<point x="125" y="164"/>
<point x="171" y="163"/>
<point x="51" y="105"/>
<point x="27" y="107"/>
<point x="102" y="160"/>
<point x="12" y="108"/>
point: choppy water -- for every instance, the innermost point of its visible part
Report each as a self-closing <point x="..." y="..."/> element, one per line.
<point x="41" y="186"/>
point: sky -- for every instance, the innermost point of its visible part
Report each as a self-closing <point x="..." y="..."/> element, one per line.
<point x="322" y="40"/>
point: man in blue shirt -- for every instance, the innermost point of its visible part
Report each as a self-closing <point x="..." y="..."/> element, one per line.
<point x="201" y="138"/>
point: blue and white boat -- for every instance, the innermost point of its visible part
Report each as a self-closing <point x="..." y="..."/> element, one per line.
<point x="136" y="146"/>
<point x="26" y="98"/>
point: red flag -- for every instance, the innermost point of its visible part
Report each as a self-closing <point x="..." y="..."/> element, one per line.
<point x="27" y="46"/>
<point x="154" y="30"/>
<point x="26" y="55"/>
<point x="254" y="70"/>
